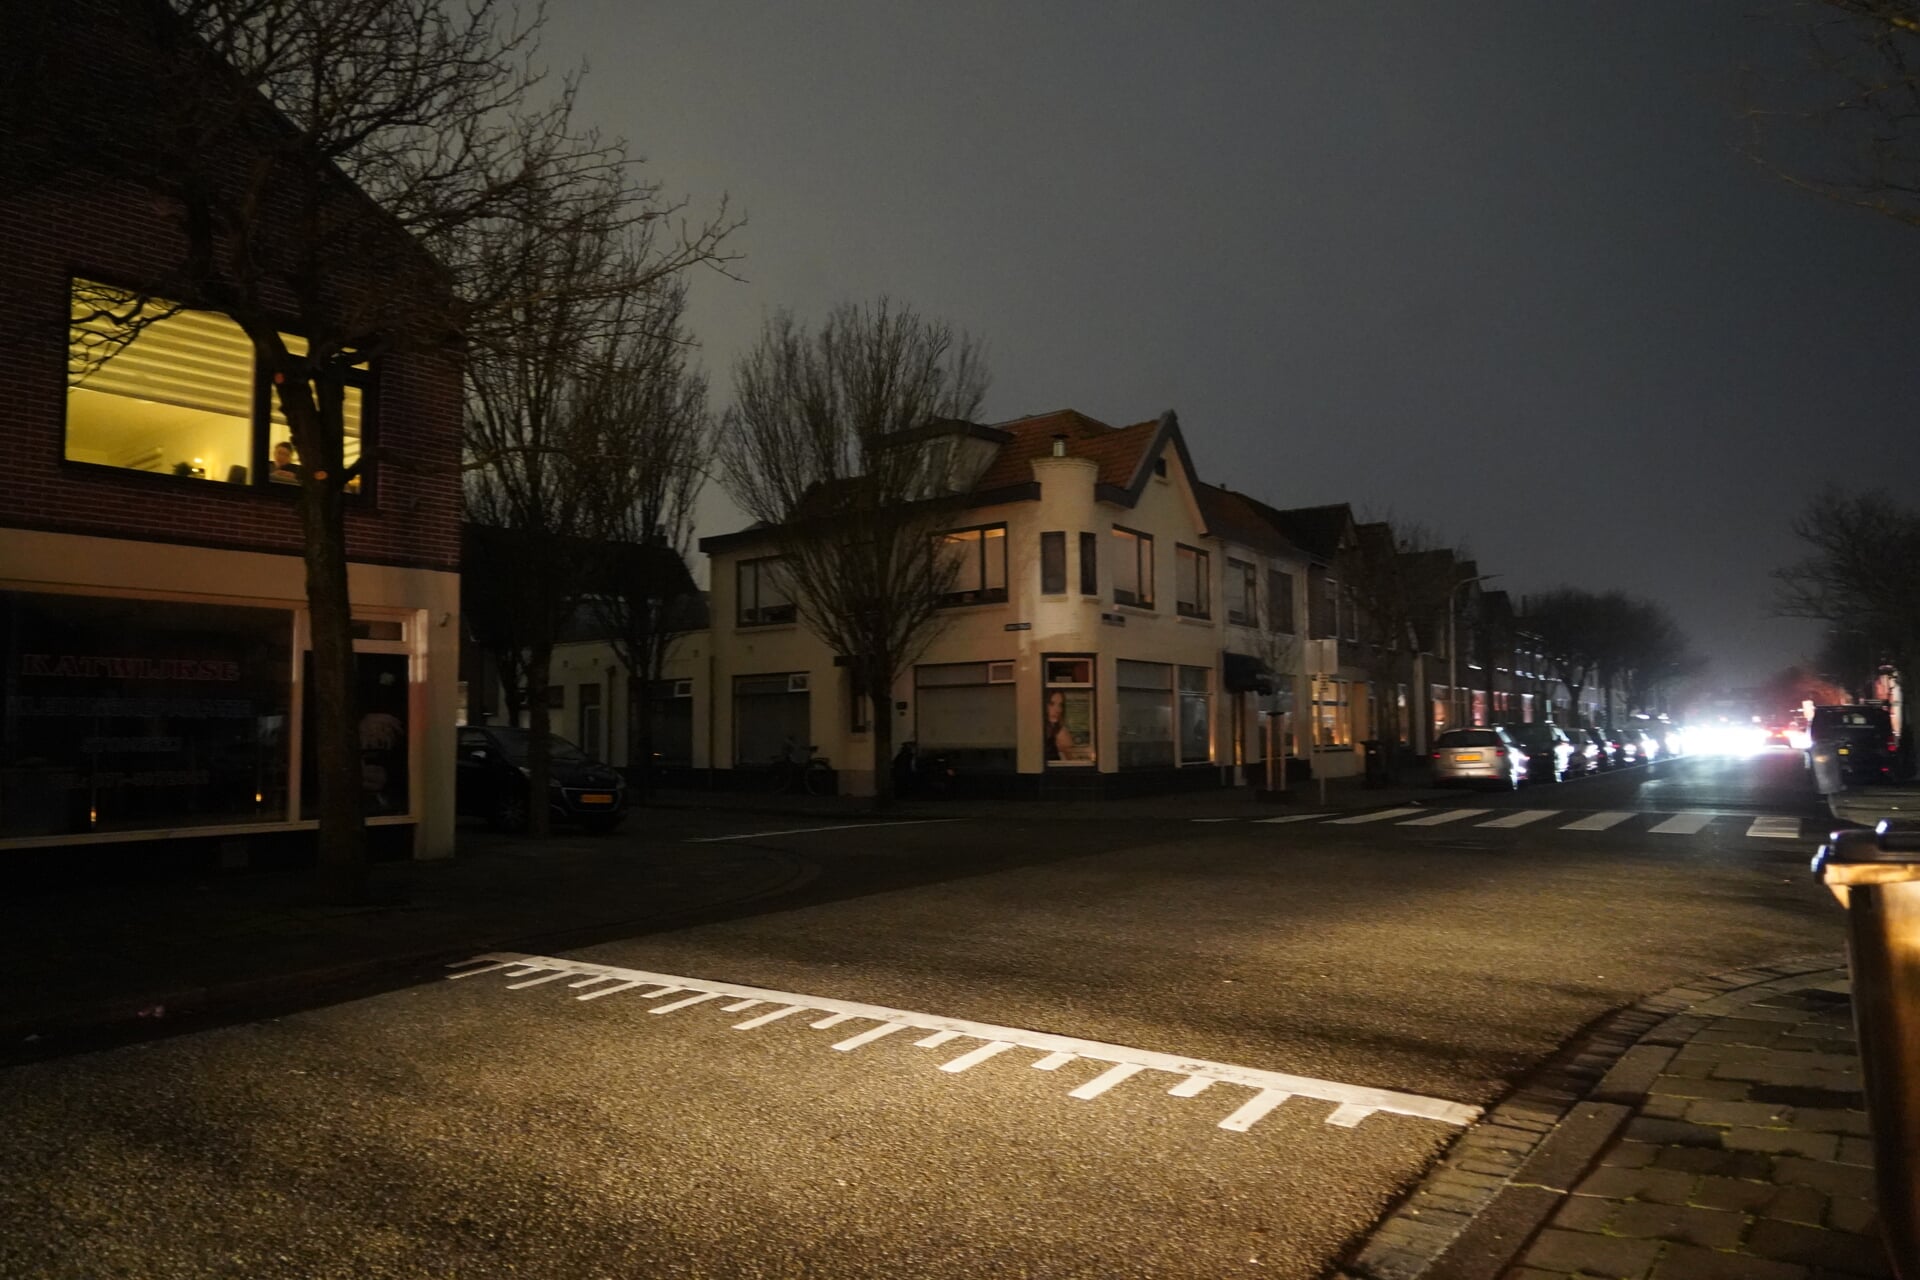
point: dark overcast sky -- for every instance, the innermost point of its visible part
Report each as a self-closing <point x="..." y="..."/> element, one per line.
<point x="1497" y="269"/>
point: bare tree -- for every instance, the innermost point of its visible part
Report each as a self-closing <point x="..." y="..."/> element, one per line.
<point x="323" y="166"/>
<point x="1399" y="581"/>
<point x="827" y="443"/>
<point x="1568" y="624"/>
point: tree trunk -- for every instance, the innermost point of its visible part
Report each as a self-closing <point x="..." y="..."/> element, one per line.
<point x="880" y="695"/>
<point x="342" y="853"/>
<point x="640" y="736"/>
<point x="539" y="739"/>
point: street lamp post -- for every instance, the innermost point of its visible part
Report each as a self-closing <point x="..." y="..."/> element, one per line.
<point x="1453" y="649"/>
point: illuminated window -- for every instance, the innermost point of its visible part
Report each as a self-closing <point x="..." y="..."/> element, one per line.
<point x="176" y="392"/>
<point x="978" y="558"/>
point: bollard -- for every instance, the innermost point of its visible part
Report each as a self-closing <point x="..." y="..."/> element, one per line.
<point x="1876" y="876"/>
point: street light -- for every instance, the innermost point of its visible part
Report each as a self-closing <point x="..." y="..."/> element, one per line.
<point x="1453" y="650"/>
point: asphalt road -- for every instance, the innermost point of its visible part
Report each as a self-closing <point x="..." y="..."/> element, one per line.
<point x="470" y="1128"/>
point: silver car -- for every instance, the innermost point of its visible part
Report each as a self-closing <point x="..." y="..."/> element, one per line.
<point x="1484" y="756"/>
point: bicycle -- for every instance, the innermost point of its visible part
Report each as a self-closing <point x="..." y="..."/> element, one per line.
<point x="814" y="775"/>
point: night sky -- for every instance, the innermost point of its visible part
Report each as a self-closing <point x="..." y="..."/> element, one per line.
<point x="1499" y="270"/>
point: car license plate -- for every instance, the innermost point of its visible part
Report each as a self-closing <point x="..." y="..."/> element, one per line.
<point x="1468" y="757"/>
<point x="595" y="797"/>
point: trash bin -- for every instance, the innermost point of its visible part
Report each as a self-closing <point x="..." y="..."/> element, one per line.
<point x="1376" y="758"/>
<point x="1876" y="876"/>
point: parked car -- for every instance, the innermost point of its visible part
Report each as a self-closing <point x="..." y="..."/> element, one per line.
<point x="1645" y="747"/>
<point x="1483" y="756"/>
<point x="1589" y="756"/>
<point x="1610" y="751"/>
<point x="1547" y="748"/>
<point x="490" y="781"/>
<point x="1861" y="739"/>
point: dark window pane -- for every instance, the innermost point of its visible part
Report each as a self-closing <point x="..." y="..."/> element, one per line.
<point x="1053" y="564"/>
<point x="1089" y="565"/>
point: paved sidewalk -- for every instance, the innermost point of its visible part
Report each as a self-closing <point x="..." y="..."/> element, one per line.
<point x="86" y="962"/>
<point x="1716" y="1132"/>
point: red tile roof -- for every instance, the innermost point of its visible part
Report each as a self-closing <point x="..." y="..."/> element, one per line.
<point x="1117" y="449"/>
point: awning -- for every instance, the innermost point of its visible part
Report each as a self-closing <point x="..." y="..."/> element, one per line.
<point x="1244" y="673"/>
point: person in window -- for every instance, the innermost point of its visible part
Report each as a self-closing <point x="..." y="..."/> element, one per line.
<point x="285" y="470"/>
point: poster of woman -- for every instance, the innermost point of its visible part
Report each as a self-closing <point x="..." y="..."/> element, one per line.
<point x="1069" y="726"/>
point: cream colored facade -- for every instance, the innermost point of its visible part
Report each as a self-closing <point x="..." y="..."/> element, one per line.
<point x="412" y="617"/>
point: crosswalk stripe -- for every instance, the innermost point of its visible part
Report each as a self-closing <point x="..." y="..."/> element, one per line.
<point x="1774" y="829"/>
<point x="1380" y="816"/>
<point x="1295" y="817"/>
<point x="1450" y="815"/>
<point x="1598" y="821"/>
<point x="1683" y="824"/>
<point x="1520" y="819"/>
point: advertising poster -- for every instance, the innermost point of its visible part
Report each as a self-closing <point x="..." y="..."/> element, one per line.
<point x="1069" y="726"/>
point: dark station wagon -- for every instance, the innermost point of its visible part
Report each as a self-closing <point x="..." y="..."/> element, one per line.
<point x="491" y="781"/>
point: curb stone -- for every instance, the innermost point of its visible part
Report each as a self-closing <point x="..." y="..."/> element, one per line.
<point x="1480" y="1205"/>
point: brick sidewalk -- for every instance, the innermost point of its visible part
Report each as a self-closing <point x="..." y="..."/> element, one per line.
<point x="1716" y="1132"/>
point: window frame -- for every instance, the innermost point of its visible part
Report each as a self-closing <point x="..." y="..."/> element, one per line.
<point x="1143" y="569"/>
<point x="983" y="594"/>
<point x="261" y="429"/>
<point x="1056" y="585"/>
<point x="1089" y="564"/>
<point x="1202" y="608"/>
<point x="741" y="611"/>
<point x="1249" y="579"/>
<point x="1280" y="603"/>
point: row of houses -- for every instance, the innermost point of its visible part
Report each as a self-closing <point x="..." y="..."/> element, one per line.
<point x="1117" y="625"/>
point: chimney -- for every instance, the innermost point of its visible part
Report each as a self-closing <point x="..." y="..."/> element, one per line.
<point x="1060" y="445"/>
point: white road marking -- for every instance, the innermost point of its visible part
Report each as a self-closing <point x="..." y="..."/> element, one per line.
<point x="1450" y="815"/>
<point x="1598" y="821"/>
<point x="804" y="831"/>
<point x="975" y="1057"/>
<point x="1294" y="817"/>
<point x="1053" y="1062"/>
<point x="1774" y="829"/>
<point x="534" y="982"/>
<point x="833" y="1020"/>
<point x="657" y="992"/>
<point x="1254" y="1108"/>
<point x="870" y="1035"/>
<point x="681" y="1004"/>
<point x="1191" y="1086"/>
<point x="1683" y="824"/>
<point x="1352" y="1102"/>
<point x="741" y="1006"/>
<point x="1112" y="1076"/>
<point x="485" y="968"/>
<point x="1380" y="816"/>
<point x="1519" y="819"/>
<point x="607" y="991"/>
<point x="588" y="982"/>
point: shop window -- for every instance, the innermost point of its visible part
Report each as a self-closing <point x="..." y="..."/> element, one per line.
<point x="384" y="727"/>
<point x="1053" y="564"/>
<point x="1132" y="568"/>
<point x="1196" y="715"/>
<point x="177" y="392"/>
<point x="1240" y="592"/>
<point x="764" y="596"/>
<point x="977" y="559"/>
<point x="1068" y="721"/>
<point x="963" y="713"/>
<point x="1192" y="582"/>
<point x="129" y="715"/>
<point x="1089" y="564"/>
<point x="1145" y="697"/>
<point x="1332" y="714"/>
<point x="1280" y="602"/>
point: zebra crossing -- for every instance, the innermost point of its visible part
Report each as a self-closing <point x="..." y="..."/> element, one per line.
<point x="1686" y="823"/>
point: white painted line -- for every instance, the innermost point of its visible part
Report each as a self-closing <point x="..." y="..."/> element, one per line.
<point x="1191" y="1086"/>
<point x="1253" y="1109"/>
<point x="805" y="831"/>
<point x="1349" y="1114"/>
<point x="588" y="982"/>
<point x="741" y="1006"/>
<point x="534" y="982"/>
<point x="870" y="1035"/>
<point x="1774" y="829"/>
<point x="975" y="1057"/>
<point x="681" y="1004"/>
<point x="1112" y="1076"/>
<point x="658" y="991"/>
<point x="1293" y="817"/>
<point x="1380" y="816"/>
<point x="1053" y="1061"/>
<point x="468" y="973"/>
<point x="1683" y="824"/>
<point x="834" y="1020"/>
<point x="607" y="991"/>
<point x="1437" y="819"/>
<point x="1519" y="819"/>
<point x="1598" y="821"/>
<point x="1361" y="1098"/>
<point x="521" y="971"/>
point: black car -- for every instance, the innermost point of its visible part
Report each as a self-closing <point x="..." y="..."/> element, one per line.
<point x="491" y="781"/>
<point x="1861" y="739"/>
<point x="1547" y="748"/>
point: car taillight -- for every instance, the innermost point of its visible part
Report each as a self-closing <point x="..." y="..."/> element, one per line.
<point x="1500" y="751"/>
<point x="1436" y="755"/>
<point x="1893" y="744"/>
